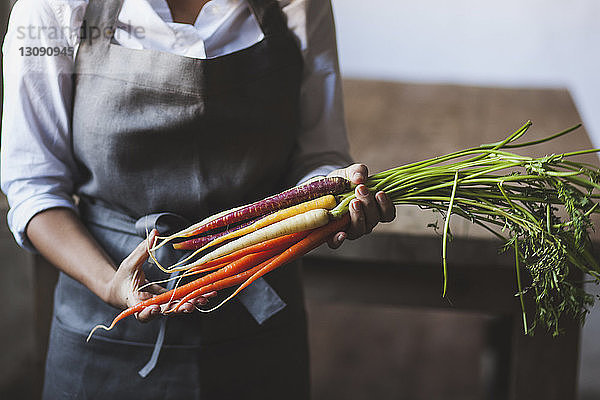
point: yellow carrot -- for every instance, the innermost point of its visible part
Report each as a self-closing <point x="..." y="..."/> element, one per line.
<point x="298" y="223"/>
<point x="326" y="202"/>
<point x="306" y="191"/>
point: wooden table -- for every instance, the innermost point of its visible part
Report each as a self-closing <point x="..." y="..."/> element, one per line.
<point x="399" y="264"/>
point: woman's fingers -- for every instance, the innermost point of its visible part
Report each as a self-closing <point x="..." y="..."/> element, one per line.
<point x="151" y="312"/>
<point x="336" y="240"/>
<point x="357" y="226"/>
<point x="148" y="314"/>
<point x="386" y="207"/>
<point x="369" y="206"/>
<point x="196" y="302"/>
<point x="209" y="295"/>
<point x="185" y="308"/>
<point x="366" y="211"/>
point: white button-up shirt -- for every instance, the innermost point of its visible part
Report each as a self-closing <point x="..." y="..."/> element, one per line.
<point x="37" y="164"/>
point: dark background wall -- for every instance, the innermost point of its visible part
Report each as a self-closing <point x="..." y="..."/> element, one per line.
<point x="17" y="354"/>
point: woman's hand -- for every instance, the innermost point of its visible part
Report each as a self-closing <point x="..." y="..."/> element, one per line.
<point x="123" y="289"/>
<point x="367" y="210"/>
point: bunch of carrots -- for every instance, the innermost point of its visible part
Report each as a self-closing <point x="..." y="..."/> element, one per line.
<point x="521" y="200"/>
<point x="265" y="235"/>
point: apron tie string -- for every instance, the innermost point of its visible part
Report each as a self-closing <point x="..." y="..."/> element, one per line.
<point x="160" y="338"/>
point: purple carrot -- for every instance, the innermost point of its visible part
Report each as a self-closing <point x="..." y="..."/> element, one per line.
<point x="196" y="243"/>
<point x="288" y="198"/>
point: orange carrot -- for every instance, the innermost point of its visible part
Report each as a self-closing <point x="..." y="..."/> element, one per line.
<point x="280" y="242"/>
<point x="191" y="272"/>
<point x="235" y="267"/>
<point x="223" y="283"/>
<point x="310" y="242"/>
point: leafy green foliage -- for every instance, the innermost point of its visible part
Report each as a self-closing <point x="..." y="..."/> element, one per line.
<point x="540" y="208"/>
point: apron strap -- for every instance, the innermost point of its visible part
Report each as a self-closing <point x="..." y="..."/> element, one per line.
<point x="269" y="16"/>
<point x="99" y="25"/>
<point x="259" y="299"/>
<point x="166" y="223"/>
<point x="160" y="339"/>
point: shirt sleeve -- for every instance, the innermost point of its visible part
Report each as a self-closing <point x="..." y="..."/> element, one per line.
<point x="322" y="144"/>
<point x="36" y="162"/>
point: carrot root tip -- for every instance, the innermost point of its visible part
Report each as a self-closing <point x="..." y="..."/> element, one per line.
<point x="106" y="328"/>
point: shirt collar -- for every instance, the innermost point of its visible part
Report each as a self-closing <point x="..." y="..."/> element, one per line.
<point x="214" y="7"/>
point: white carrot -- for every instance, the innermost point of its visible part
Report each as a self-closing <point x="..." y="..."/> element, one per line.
<point x="298" y="223"/>
<point x="328" y="202"/>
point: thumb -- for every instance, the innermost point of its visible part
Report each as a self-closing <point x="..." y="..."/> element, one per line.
<point x="356" y="173"/>
<point x="139" y="255"/>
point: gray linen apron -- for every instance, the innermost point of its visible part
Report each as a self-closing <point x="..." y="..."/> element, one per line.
<point x="156" y="132"/>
